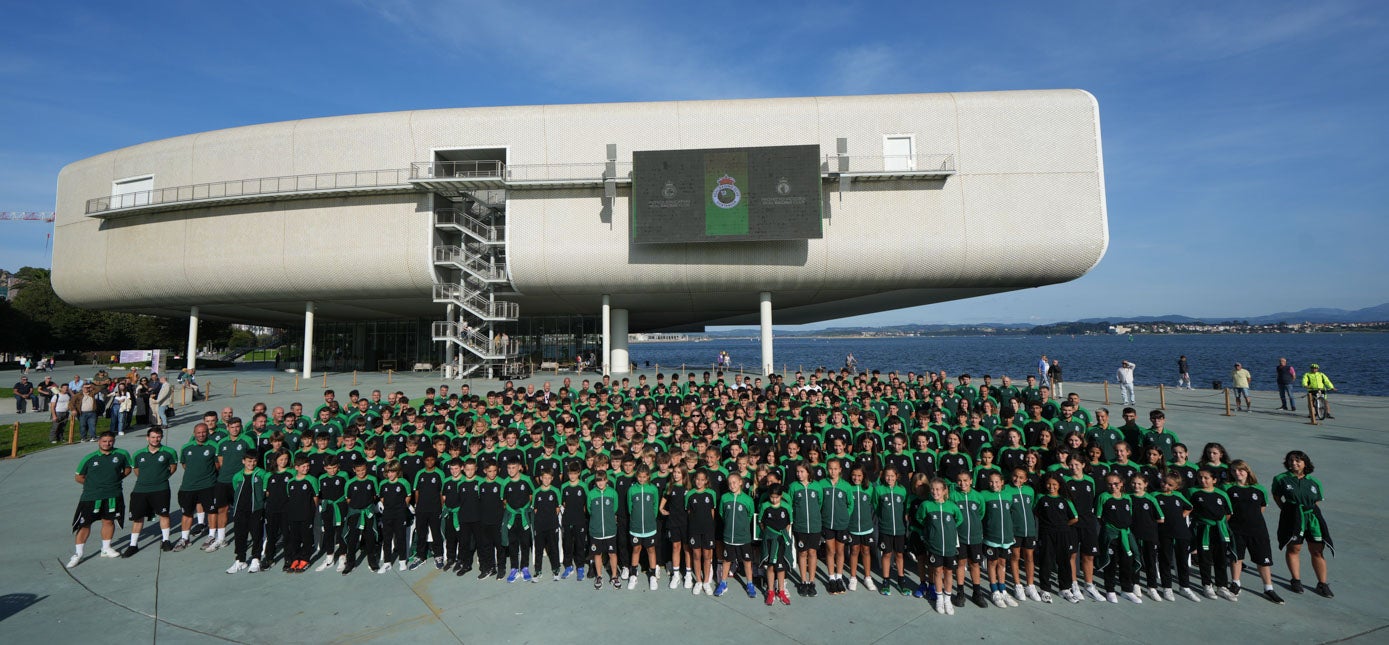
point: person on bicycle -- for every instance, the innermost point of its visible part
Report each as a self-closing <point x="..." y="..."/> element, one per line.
<point x="1316" y="382"/>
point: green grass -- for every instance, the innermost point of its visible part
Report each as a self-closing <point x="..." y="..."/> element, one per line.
<point x="7" y="393"/>
<point x="259" y="355"/>
<point x="33" y="436"/>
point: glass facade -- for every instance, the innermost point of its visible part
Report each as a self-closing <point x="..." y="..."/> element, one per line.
<point x="400" y="344"/>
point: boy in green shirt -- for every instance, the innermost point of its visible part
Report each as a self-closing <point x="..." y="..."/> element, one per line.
<point x="602" y="528"/>
<point x="248" y="512"/>
<point x="736" y="509"/>
<point x="643" y="498"/>
<point x="150" y="496"/>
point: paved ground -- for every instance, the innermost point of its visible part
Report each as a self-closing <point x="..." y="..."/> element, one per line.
<point x="186" y="597"/>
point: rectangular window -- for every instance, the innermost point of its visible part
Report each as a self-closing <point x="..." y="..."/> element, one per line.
<point x="133" y="191"/>
<point x="899" y="152"/>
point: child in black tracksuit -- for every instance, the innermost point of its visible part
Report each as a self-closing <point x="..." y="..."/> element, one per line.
<point x="395" y="517"/>
<point x="573" y="495"/>
<point x="546" y="524"/>
<point x="276" y="502"/>
<point x="1174" y="538"/>
<point x="461" y="513"/>
<point x="487" y="531"/>
<point x="361" y="522"/>
<point x="300" y="510"/>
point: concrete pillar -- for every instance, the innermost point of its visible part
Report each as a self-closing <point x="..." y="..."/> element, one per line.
<point x="308" y="339"/>
<point x="607" y="334"/>
<point x="621" y="361"/>
<point x="449" y="347"/>
<point x="765" y="302"/>
<point x="193" y="338"/>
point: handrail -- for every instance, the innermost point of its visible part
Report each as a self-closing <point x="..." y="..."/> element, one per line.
<point x="466" y="222"/>
<point x="480" y="306"/>
<point x="920" y="163"/>
<point x="478" y="169"/>
<point x="351" y="179"/>
<point x="446" y="253"/>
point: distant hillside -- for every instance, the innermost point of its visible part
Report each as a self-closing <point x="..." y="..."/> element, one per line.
<point x="1377" y="313"/>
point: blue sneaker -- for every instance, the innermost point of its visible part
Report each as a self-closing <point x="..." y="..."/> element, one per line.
<point x="511" y="577"/>
<point x="723" y="586"/>
<point x="752" y="591"/>
<point x="569" y="571"/>
<point x="920" y="591"/>
<point x="581" y="574"/>
<point x="931" y="593"/>
<point x="526" y="574"/>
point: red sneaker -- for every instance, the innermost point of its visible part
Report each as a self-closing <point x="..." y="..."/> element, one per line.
<point x="785" y="599"/>
<point x="770" y="595"/>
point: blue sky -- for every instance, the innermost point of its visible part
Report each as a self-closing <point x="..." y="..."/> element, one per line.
<point x="1244" y="142"/>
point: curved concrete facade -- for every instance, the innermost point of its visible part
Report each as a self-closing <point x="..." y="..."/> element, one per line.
<point x="1025" y="207"/>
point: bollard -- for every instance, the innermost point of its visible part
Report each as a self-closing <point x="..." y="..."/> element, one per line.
<point x="1162" y="396"/>
<point x="1106" y="392"/>
<point x="272" y="383"/>
<point x="14" y="443"/>
<point x="390" y="375"/>
<point x="1227" y="402"/>
<point x="296" y="382"/>
<point x="208" y="394"/>
<point x="354" y="378"/>
<point x="72" y="425"/>
<point x="233" y="388"/>
<point x="1311" y="409"/>
<point x="325" y="380"/>
<point x="183" y="396"/>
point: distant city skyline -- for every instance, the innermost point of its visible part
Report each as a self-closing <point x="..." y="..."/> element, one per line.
<point x="1244" y="142"/>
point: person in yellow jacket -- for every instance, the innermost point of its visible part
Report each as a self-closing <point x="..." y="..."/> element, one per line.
<point x="1316" y="381"/>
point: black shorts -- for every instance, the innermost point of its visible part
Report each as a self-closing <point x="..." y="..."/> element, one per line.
<point x="893" y="543"/>
<point x="1258" y="546"/>
<point x="644" y="542"/>
<point x="737" y="553"/>
<point x="602" y="546"/>
<point x="807" y="541"/>
<point x="145" y="506"/>
<point x="701" y="540"/>
<point x="841" y="537"/>
<point x="933" y="560"/>
<point x="1087" y="536"/>
<point x="997" y="552"/>
<point x="971" y="553"/>
<point x="866" y="539"/>
<point x="188" y="500"/>
<point x="89" y="513"/>
<point x="678" y="534"/>
<point x="1025" y="542"/>
<point x="222" y="494"/>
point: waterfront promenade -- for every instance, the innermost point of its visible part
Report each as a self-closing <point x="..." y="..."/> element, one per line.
<point x="187" y="597"/>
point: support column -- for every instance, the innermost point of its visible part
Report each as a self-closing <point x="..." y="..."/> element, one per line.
<point x="607" y="334"/>
<point x="193" y="338"/>
<point x="308" y="339"/>
<point x="621" y="361"/>
<point x="765" y="303"/>
<point x="449" y="347"/>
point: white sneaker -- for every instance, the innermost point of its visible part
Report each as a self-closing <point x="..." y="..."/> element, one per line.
<point x="1008" y="598"/>
<point x="949" y="606"/>
<point x="941" y="603"/>
<point x="631" y="583"/>
<point x="1020" y="592"/>
<point x="997" y="598"/>
<point x="652" y="580"/>
<point x="327" y="562"/>
<point x="1226" y="594"/>
<point x="689" y="579"/>
<point x="255" y="566"/>
<point x="385" y="568"/>
<point x="1190" y="595"/>
<point x="72" y="562"/>
<point x="868" y="583"/>
<point x="709" y="588"/>
<point x="853" y="583"/>
<point x="1094" y="593"/>
<point x="1046" y="597"/>
<point x="236" y="567"/>
<point x="1112" y="597"/>
<point x="625" y="572"/>
<point x="1153" y="593"/>
<point x="110" y="553"/>
<point x="342" y="563"/>
<point x="699" y="589"/>
<point x="1210" y="592"/>
<point x="1132" y="597"/>
<point x="401" y="565"/>
<point x="1032" y="593"/>
<point x="1072" y="596"/>
<point x="209" y="546"/>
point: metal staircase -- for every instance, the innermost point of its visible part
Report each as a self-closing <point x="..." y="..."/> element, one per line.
<point x="470" y="263"/>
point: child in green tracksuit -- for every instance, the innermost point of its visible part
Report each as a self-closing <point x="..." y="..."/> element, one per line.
<point x="998" y="539"/>
<point x="891" y="499"/>
<point x="737" y="512"/>
<point x="775" y="518"/>
<point x="643" y="498"/>
<point x="248" y="512"/>
<point x="861" y="526"/>
<point x="602" y="528"/>
<point x="939" y="519"/>
<point x="1025" y="538"/>
<point x="836" y="506"/>
<point x="971" y="503"/>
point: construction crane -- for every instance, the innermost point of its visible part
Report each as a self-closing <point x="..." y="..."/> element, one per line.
<point x="27" y="216"/>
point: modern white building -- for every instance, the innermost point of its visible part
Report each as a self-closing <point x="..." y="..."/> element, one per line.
<point x="431" y="236"/>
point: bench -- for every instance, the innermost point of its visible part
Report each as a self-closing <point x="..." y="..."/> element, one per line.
<point x="423" y="367"/>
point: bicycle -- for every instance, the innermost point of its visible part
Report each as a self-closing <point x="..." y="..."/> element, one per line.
<point x="1319" y="405"/>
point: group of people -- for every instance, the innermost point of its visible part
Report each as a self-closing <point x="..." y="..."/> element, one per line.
<point x="127" y="401"/>
<point x="710" y="484"/>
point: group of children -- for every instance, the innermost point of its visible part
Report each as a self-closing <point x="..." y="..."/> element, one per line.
<point x="726" y="484"/>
